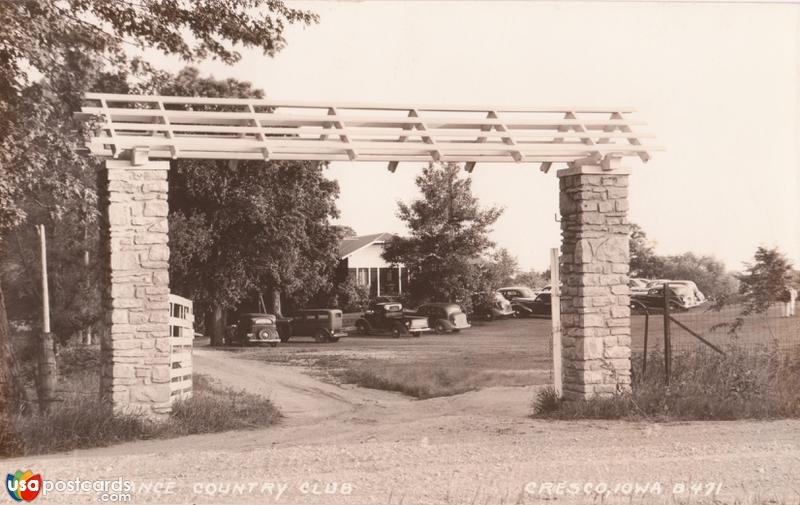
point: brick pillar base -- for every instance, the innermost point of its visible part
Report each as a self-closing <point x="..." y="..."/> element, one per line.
<point x="595" y="303"/>
<point x="136" y="346"/>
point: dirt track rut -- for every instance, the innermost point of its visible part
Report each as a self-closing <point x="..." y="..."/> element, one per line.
<point x="474" y="448"/>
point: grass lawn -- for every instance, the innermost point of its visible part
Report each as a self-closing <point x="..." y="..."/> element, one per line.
<point x="79" y="420"/>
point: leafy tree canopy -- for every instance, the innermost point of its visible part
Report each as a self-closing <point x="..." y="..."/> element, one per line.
<point x="448" y="232"/>
<point x="238" y="228"/>
<point x="45" y="44"/>
<point x="498" y="270"/>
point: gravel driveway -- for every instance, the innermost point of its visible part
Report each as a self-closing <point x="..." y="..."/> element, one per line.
<point x="343" y="444"/>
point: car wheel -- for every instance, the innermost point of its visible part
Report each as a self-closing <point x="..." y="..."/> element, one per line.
<point x="320" y="336"/>
<point x="362" y="329"/>
<point x="273" y="344"/>
<point x="439" y="328"/>
<point x="489" y="316"/>
<point x="397" y="331"/>
<point x="416" y="334"/>
<point x="333" y="339"/>
<point x="456" y="330"/>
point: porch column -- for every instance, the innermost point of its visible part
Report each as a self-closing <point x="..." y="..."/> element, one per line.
<point x="136" y="346"/>
<point x="595" y="304"/>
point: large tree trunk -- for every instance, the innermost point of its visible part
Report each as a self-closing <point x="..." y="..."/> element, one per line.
<point x="215" y="324"/>
<point x="276" y="302"/>
<point x="10" y="393"/>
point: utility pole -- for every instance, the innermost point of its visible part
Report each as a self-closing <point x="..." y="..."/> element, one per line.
<point x="555" y="308"/>
<point x="47" y="377"/>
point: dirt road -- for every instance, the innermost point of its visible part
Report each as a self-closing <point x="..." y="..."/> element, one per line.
<point x="343" y="444"/>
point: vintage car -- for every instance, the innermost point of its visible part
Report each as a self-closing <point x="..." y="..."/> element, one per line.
<point x="514" y="292"/>
<point x="693" y="294"/>
<point x="389" y="317"/>
<point x="526" y="302"/>
<point x="538" y="306"/>
<point x="638" y="285"/>
<point x="490" y="305"/>
<point x="253" y="328"/>
<point x="324" y="325"/>
<point x="681" y="298"/>
<point x="444" y="317"/>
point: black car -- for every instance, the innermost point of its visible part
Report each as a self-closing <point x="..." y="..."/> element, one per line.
<point x="654" y="299"/>
<point x="253" y="328"/>
<point x="490" y="305"/>
<point x="391" y="318"/>
<point x="538" y="306"/>
<point x="444" y="317"/>
<point x="323" y="325"/>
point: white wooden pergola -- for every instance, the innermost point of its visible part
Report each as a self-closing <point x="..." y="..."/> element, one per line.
<point x="137" y="135"/>
<point x="170" y="127"/>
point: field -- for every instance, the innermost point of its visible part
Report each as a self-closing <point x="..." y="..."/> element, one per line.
<point x="513" y="352"/>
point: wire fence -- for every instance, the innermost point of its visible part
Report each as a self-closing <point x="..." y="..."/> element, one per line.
<point x="705" y="328"/>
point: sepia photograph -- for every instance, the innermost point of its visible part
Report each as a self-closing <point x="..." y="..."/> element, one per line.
<point x="400" y="252"/>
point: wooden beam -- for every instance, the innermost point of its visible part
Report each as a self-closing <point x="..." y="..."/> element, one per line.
<point x="288" y="130"/>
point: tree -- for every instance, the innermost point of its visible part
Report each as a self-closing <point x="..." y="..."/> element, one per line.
<point x="64" y="44"/>
<point x="448" y="232"/>
<point x="498" y="270"/>
<point x="533" y="279"/>
<point x="234" y="234"/>
<point x="644" y="261"/>
<point x="763" y="283"/>
<point x="345" y="231"/>
<point x="706" y="271"/>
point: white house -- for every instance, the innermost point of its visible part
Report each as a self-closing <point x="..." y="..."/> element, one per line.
<point x="360" y="258"/>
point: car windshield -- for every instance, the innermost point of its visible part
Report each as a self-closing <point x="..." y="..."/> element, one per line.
<point x="526" y="293"/>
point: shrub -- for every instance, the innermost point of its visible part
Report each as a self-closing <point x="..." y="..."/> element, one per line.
<point x="82" y="420"/>
<point x="742" y="384"/>
<point x="351" y="296"/>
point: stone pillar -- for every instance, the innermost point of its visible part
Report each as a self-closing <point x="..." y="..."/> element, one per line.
<point x="136" y="344"/>
<point x="595" y="303"/>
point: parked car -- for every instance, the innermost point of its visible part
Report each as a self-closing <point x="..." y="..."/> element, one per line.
<point x="681" y="298"/>
<point x="526" y="302"/>
<point x="390" y="317"/>
<point x="698" y="295"/>
<point x="324" y="325"/>
<point x="444" y="317"/>
<point x="253" y="328"/>
<point x="694" y="296"/>
<point x="638" y="285"/>
<point x="539" y="306"/>
<point x="514" y="292"/>
<point x="490" y="305"/>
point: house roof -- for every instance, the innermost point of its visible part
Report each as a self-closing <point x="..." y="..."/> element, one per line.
<point x="349" y="245"/>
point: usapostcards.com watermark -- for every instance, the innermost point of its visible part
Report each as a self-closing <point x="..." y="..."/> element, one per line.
<point x="25" y="486"/>
<point x="633" y="489"/>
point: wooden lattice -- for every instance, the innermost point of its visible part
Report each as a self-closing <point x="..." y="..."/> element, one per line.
<point x="225" y="128"/>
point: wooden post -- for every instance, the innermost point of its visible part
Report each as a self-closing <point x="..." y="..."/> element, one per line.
<point x="667" y="337"/>
<point x="555" y="310"/>
<point x="47" y="358"/>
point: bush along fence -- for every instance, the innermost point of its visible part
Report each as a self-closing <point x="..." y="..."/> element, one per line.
<point x="669" y="331"/>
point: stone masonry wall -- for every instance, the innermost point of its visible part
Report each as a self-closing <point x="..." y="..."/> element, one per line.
<point x="136" y="344"/>
<point x="595" y="303"/>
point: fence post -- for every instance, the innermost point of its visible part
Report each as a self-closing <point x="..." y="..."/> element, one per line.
<point x="667" y="339"/>
<point x="646" y="331"/>
<point x="47" y="375"/>
<point x="555" y="313"/>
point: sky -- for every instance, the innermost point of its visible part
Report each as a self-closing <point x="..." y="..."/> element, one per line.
<point x="717" y="83"/>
